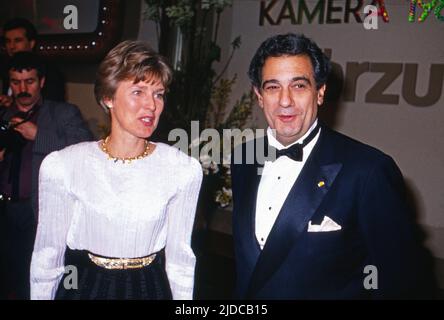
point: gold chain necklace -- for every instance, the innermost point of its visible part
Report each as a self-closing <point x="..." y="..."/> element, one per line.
<point x="148" y="150"/>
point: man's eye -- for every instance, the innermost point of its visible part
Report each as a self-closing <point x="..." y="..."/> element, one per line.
<point x="29" y="81"/>
<point x="137" y="92"/>
<point x="160" y="96"/>
<point x="299" y="85"/>
<point x="271" y="88"/>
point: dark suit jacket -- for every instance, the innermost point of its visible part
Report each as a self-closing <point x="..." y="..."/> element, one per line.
<point x="364" y="193"/>
<point x="60" y="124"/>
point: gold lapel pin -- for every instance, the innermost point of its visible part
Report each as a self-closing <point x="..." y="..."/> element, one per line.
<point x="321" y="184"/>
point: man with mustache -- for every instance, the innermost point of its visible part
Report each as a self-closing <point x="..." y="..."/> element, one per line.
<point x="33" y="127"/>
<point x="328" y="217"/>
<point x="20" y="35"/>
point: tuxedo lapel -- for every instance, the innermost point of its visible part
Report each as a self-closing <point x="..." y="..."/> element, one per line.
<point x="248" y="205"/>
<point x="301" y="203"/>
<point x="244" y="221"/>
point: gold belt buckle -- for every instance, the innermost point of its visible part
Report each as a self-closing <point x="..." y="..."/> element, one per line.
<point x="121" y="263"/>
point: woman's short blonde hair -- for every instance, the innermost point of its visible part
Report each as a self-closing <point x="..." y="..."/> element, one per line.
<point x="129" y="60"/>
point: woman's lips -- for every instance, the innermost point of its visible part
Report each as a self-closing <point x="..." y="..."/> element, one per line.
<point x="147" y="121"/>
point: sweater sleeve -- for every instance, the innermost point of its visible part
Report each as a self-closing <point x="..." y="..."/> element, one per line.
<point x="55" y="211"/>
<point x="180" y="259"/>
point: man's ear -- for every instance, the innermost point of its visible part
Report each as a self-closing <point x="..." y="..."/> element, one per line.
<point x="321" y="94"/>
<point x="260" y="99"/>
<point x="32" y="44"/>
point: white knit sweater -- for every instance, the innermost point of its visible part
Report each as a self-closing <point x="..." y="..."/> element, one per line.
<point x="88" y="202"/>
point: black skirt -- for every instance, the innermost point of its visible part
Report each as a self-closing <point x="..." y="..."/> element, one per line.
<point x="97" y="283"/>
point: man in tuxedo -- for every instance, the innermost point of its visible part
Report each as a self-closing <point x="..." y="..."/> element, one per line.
<point x="32" y="127"/>
<point x="327" y="218"/>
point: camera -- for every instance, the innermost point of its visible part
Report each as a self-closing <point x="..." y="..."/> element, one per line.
<point x="9" y="138"/>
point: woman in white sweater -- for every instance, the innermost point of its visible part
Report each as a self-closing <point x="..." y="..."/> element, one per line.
<point x="116" y="215"/>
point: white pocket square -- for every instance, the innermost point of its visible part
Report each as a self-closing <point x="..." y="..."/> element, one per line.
<point x="326" y="225"/>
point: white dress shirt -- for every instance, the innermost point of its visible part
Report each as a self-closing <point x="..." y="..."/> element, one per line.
<point x="277" y="179"/>
<point x="122" y="210"/>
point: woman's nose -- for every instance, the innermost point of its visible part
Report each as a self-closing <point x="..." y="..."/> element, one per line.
<point x="150" y="103"/>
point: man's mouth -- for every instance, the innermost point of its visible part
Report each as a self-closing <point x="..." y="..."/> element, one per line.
<point x="286" y="118"/>
<point x="23" y="95"/>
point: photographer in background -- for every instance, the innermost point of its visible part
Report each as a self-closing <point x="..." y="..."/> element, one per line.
<point x="20" y="35"/>
<point x="31" y="128"/>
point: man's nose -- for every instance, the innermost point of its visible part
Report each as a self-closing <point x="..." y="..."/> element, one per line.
<point x="10" y="48"/>
<point x="285" y="98"/>
<point x="23" y="87"/>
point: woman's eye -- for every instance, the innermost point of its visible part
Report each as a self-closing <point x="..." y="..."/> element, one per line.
<point x="160" y="95"/>
<point x="137" y="92"/>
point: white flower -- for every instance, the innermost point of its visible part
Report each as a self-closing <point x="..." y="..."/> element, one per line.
<point x="195" y="142"/>
<point x="208" y="165"/>
<point x="214" y="167"/>
<point x="226" y="160"/>
<point x="224" y="196"/>
<point x="206" y="161"/>
<point x="227" y="192"/>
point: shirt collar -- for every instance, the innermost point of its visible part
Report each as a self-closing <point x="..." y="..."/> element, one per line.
<point x="276" y="144"/>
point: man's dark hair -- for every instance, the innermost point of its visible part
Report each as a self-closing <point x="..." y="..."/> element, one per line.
<point x="16" y="23"/>
<point x="27" y="61"/>
<point x="289" y="44"/>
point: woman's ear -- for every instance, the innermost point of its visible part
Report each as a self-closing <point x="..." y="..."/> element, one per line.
<point x="108" y="103"/>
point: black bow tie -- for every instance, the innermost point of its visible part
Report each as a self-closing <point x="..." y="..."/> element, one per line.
<point x="295" y="152"/>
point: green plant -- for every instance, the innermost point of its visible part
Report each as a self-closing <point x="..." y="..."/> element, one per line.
<point x="237" y="118"/>
<point x="194" y="76"/>
<point x="187" y="33"/>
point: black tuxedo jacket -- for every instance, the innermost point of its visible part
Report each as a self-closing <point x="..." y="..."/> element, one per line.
<point x="364" y="193"/>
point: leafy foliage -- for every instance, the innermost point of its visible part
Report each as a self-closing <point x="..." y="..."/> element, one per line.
<point x="197" y="91"/>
